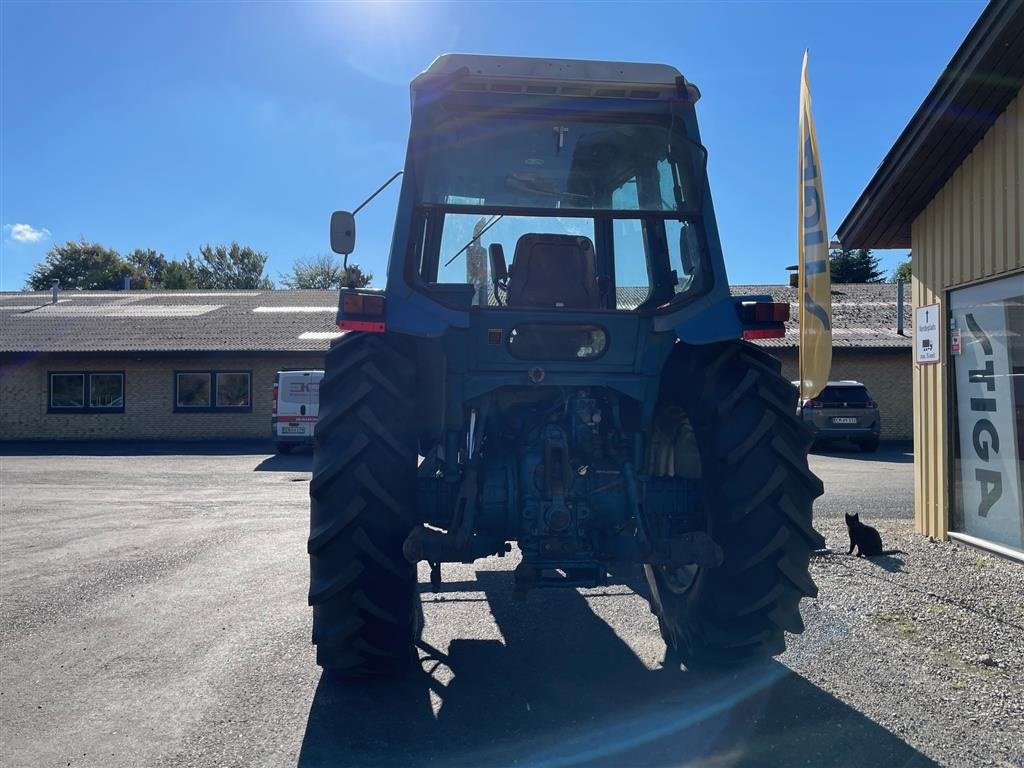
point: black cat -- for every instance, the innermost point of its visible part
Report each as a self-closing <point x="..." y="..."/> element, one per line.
<point x="866" y="539"/>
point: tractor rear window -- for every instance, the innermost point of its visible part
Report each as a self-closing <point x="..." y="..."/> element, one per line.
<point x="535" y="162"/>
<point x="585" y="212"/>
<point x="461" y="264"/>
<point x="609" y="273"/>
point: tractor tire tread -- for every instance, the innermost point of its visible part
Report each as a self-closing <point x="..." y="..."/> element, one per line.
<point x="760" y="494"/>
<point x="363" y="591"/>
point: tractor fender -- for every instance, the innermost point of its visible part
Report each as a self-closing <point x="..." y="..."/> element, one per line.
<point x="709" y="320"/>
<point x="416" y="315"/>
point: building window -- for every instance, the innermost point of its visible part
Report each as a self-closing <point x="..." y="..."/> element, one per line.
<point x="106" y="390"/>
<point x="86" y="392"/>
<point x="232" y="390"/>
<point x="988" y="411"/>
<point x="212" y="391"/>
<point x="192" y="390"/>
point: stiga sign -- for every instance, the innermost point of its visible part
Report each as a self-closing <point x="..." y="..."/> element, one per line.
<point x="990" y="481"/>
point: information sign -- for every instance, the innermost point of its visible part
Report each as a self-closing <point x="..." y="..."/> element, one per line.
<point x="926" y="334"/>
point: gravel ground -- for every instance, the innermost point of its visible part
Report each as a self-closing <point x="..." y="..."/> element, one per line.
<point x="930" y="642"/>
<point x="153" y="613"/>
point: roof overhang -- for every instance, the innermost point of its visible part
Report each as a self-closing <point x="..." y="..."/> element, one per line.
<point x="982" y="78"/>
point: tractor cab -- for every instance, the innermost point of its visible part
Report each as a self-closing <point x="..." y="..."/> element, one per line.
<point x="576" y="187"/>
<point x="586" y="194"/>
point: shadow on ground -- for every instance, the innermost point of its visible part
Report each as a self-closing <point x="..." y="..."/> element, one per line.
<point x="564" y="690"/>
<point x="136" y="448"/>
<point x="890" y="452"/>
<point x="299" y="460"/>
<point x="888" y="563"/>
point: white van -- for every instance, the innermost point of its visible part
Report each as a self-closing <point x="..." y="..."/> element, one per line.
<point x="296" y="408"/>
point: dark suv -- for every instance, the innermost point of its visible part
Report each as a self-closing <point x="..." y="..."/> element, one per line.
<point x="844" y="410"/>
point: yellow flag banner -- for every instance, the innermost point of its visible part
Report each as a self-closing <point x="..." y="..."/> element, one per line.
<point x="815" y="282"/>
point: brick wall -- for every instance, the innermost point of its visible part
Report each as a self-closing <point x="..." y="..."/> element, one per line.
<point x="149" y="395"/>
<point x="149" y="399"/>
<point x="886" y="373"/>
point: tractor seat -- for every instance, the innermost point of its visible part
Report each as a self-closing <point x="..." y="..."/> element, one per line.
<point x="553" y="271"/>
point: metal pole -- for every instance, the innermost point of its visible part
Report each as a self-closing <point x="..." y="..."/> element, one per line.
<point x="899" y="307"/>
<point x="800" y="342"/>
<point x="380" y="189"/>
<point x="800" y="334"/>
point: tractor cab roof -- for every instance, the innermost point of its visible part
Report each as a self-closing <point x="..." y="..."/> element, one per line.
<point x="558" y="77"/>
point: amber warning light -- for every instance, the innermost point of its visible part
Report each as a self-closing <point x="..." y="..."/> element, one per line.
<point x="361" y="312"/>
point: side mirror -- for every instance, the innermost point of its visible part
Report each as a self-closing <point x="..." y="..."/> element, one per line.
<point x="343" y="232"/>
<point x="499" y="272"/>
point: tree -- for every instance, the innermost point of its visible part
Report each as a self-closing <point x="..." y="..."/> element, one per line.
<point x="178" y="276"/>
<point x="148" y="268"/>
<point x="855" y="266"/>
<point x="357" y="278"/>
<point x="232" y="267"/>
<point x="902" y="272"/>
<point x="81" y="265"/>
<point x="324" y="272"/>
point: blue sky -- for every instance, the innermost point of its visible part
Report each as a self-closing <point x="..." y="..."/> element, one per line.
<point x="170" y="125"/>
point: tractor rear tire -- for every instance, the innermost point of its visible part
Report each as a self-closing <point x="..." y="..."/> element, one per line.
<point x="758" y="493"/>
<point x="366" y="607"/>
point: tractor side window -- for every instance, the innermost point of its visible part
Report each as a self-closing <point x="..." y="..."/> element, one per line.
<point x="678" y="190"/>
<point x="632" y="284"/>
<point x="419" y="247"/>
<point x="684" y="252"/>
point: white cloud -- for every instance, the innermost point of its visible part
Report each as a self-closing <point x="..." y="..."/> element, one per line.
<point x="26" y="233"/>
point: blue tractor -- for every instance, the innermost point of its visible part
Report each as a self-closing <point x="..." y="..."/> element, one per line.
<point x="557" y="362"/>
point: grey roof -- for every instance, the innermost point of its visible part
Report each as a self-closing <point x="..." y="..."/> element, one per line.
<point x="154" y="321"/>
<point x="864" y="316"/>
<point x="982" y="78"/>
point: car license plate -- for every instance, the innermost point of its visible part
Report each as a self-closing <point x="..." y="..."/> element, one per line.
<point x="293" y="429"/>
<point x="844" y="419"/>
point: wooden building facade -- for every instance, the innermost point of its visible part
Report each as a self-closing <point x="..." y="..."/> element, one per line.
<point x="952" y="190"/>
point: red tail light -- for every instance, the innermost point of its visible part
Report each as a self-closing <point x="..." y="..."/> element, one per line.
<point x="763" y="319"/>
<point x="361" y="325"/>
<point x="273" y="405"/>
<point x="764" y="333"/>
<point x="871" y="404"/>
<point x="361" y="312"/>
<point x="814" y="404"/>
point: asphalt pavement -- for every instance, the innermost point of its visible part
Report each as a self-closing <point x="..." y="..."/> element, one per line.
<point x="154" y="613"/>
<point x="880" y="484"/>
